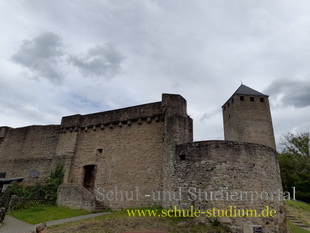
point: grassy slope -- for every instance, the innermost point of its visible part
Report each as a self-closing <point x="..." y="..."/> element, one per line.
<point x="43" y="214"/>
<point x="301" y="211"/>
<point x="119" y="221"/>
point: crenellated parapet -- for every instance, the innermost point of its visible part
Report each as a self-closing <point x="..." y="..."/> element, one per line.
<point x="108" y="117"/>
<point x="113" y="124"/>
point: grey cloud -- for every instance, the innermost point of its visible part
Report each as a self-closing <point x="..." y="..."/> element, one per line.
<point x="99" y="61"/>
<point x="290" y="92"/>
<point x="42" y="55"/>
<point x="208" y="115"/>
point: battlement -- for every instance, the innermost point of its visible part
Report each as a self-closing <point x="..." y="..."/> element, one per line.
<point x="113" y="117"/>
<point x="171" y="104"/>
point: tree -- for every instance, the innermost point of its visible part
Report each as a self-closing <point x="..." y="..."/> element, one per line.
<point x="294" y="163"/>
<point x="298" y="145"/>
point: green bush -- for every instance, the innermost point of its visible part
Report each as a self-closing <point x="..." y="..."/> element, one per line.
<point x="295" y="165"/>
<point x="46" y="191"/>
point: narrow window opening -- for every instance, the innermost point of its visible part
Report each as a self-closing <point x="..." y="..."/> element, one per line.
<point x="224" y="108"/>
<point x="228" y="115"/>
<point x="232" y="100"/>
<point x="242" y="98"/>
<point x="100" y="150"/>
<point x="228" y="105"/>
<point x="182" y="156"/>
<point x="252" y="99"/>
<point x="262" y="100"/>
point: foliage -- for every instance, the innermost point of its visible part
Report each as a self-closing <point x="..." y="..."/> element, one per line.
<point x="36" y="215"/>
<point x="295" y="165"/>
<point x="215" y="222"/>
<point x="46" y="190"/>
<point x="53" y="182"/>
<point x="298" y="144"/>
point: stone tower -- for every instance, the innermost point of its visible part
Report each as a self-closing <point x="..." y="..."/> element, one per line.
<point x="247" y="117"/>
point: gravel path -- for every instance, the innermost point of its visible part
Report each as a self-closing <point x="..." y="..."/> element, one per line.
<point x="13" y="225"/>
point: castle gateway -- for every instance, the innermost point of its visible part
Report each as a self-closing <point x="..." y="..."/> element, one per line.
<point x="145" y="156"/>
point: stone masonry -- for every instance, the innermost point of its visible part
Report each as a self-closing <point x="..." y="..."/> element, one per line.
<point x="121" y="158"/>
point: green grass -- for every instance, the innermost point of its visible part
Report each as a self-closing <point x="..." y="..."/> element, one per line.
<point x="119" y="221"/>
<point x="36" y="215"/>
<point x="301" y="211"/>
<point x="299" y="205"/>
<point x="295" y="229"/>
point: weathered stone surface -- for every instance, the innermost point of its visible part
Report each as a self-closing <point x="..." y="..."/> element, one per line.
<point x="248" y="120"/>
<point x="76" y="197"/>
<point x="131" y="153"/>
<point x="29" y="148"/>
<point x="228" y="167"/>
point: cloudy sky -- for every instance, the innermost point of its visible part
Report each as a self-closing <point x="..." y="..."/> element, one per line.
<point x="60" y="58"/>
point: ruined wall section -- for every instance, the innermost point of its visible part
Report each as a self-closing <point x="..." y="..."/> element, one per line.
<point x="67" y="141"/>
<point x="27" y="149"/>
<point x="231" y="167"/>
<point x="178" y="129"/>
<point x="125" y="145"/>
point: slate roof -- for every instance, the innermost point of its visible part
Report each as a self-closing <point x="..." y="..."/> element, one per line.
<point x="245" y="90"/>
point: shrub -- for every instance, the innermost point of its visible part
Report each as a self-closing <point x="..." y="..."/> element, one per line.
<point x="45" y="191"/>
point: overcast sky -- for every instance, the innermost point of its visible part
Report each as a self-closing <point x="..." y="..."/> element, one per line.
<point x="60" y="58"/>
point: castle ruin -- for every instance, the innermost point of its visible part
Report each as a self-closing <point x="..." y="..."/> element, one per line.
<point x="149" y="149"/>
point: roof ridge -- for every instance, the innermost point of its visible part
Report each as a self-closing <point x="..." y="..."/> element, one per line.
<point x="245" y="90"/>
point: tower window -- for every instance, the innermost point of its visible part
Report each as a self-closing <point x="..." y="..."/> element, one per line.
<point x="99" y="150"/>
<point x="232" y="100"/>
<point x="242" y="98"/>
<point x="262" y="100"/>
<point x="228" y="105"/>
<point x="252" y="99"/>
<point x="224" y="108"/>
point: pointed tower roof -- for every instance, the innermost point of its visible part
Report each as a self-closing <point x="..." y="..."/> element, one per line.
<point x="245" y="90"/>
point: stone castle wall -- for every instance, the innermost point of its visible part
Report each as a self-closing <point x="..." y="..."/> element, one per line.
<point x="28" y="149"/>
<point x="128" y="147"/>
<point x="230" y="167"/>
<point x="133" y="160"/>
<point x="150" y="147"/>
